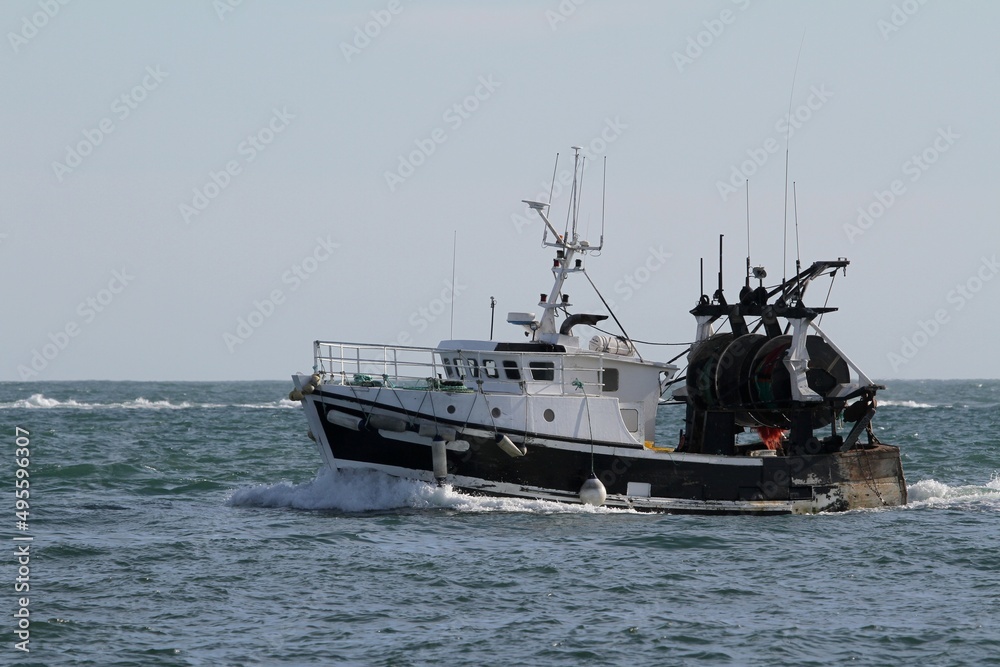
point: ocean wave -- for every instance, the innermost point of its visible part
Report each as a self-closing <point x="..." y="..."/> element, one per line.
<point x="959" y="405"/>
<point x="370" y="490"/>
<point x="283" y="403"/>
<point x="42" y="402"/>
<point x="908" y="404"/>
<point x="932" y="493"/>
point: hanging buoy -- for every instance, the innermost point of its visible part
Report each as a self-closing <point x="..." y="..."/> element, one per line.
<point x="505" y="443"/>
<point x="384" y="423"/>
<point x="314" y="382"/>
<point x="439" y="455"/>
<point x="343" y="419"/>
<point x="295" y="395"/>
<point x="593" y="492"/>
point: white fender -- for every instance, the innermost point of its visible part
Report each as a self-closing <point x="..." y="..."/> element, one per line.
<point x="439" y="455"/>
<point x="504" y="443"/>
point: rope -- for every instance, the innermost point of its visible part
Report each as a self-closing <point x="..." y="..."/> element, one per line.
<point x="590" y="423"/>
<point x="474" y="399"/>
<point x="489" y="411"/>
<point x="833" y="277"/>
<point x="634" y="340"/>
<point x="611" y="312"/>
<point x="870" y="477"/>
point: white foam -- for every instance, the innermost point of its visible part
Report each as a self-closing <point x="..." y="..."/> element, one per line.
<point x="932" y="493"/>
<point x="282" y="404"/>
<point x="142" y="403"/>
<point x="367" y="490"/>
<point x="994" y="483"/>
<point x="40" y="401"/>
<point x="907" y="404"/>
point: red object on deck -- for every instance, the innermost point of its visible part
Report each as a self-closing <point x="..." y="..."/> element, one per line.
<point x="771" y="436"/>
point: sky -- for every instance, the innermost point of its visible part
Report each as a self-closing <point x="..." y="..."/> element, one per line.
<point x="197" y="190"/>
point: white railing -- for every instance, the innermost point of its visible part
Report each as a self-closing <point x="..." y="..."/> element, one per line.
<point x="424" y="368"/>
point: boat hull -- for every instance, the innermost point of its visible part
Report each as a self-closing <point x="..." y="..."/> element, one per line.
<point x="637" y="478"/>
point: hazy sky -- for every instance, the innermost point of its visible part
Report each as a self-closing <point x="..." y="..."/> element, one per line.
<point x="198" y="189"/>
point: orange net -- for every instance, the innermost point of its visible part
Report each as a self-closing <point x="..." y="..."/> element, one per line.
<point x="771" y="436"/>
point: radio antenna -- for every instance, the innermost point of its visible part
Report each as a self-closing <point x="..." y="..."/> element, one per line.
<point x="788" y="135"/>
<point x="795" y="209"/>
<point x="552" y="185"/>
<point x="454" y="256"/>
<point x="701" y="265"/>
<point x="748" y="233"/>
<point x="604" y="194"/>
<point x="579" y="195"/>
<point x="720" y="264"/>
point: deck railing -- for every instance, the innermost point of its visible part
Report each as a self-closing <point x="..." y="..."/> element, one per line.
<point x="426" y="368"/>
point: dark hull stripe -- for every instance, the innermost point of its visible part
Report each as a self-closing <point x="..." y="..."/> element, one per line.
<point x="563" y="471"/>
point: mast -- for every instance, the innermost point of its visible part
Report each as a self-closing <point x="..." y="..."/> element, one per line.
<point x="567" y="245"/>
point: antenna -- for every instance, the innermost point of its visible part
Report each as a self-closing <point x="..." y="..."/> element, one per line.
<point x="795" y="209"/>
<point x="579" y="194"/>
<point x="748" y="233"/>
<point x="552" y="185"/>
<point x="720" y="264"/>
<point x="454" y="255"/>
<point x="702" y="269"/>
<point x="571" y="209"/>
<point x="604" y="193"/>
<point x="493" y="307"/>
<point x="788" y="135"/>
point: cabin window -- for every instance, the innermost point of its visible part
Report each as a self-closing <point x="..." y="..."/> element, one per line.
<point x="473" y="368"/>
<point x="446" y="362"/>
<point x="510" y="370"/>
<point x="542" y="370"/>
<point x="490" y="368"/>
<point x="459" y="369"/>
<point x="610" y="376"/>
<point x="631" y="418"/>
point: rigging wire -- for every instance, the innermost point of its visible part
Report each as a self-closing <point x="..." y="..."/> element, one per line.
<point x="635" y="340"/>
<point x="833" y="277"/>
<point x="612" y="313"/>
<point x="788" y="136"/>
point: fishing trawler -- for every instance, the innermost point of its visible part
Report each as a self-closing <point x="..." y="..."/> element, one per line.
<point x="777" y="418"/>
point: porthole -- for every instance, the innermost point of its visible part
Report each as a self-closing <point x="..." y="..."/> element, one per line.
<point x="495" y="412"/>
<point x="451" y="409"/>
<point x="548" y="415"/>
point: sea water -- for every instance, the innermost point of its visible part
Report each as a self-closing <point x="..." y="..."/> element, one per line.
<point x="193" y="524"/>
